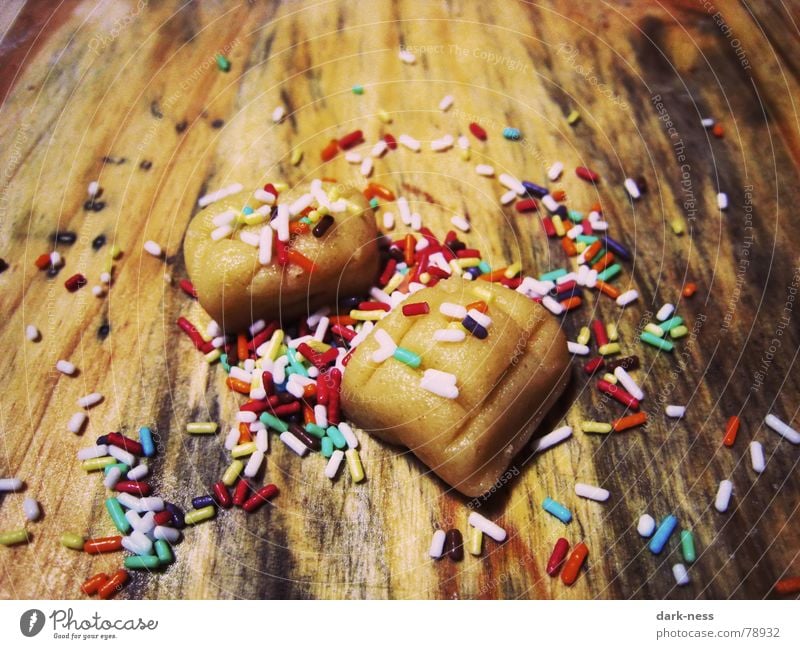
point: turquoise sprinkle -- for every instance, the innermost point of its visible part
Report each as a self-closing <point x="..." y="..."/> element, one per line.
<point x="223" y="359"/>
<point x="305" y="220"/>
<point x="336" y="437"/>
<point x="408" y="357"/>
<point x="575" y="216"/>
<point x="484" y="267"/>
<point x="553" y="274"/>
<point x="669" y="325"/>
<point x="655" y="341"/>
<point x="297" y="367"/>
<point x="222" y="63"/>
<point x="510" y="133"/>
<point x="124" y="468"/>
<point x="610" y="273"/>
<point x="316" y="431"/>
<point x="163" y="552"/>
<point x="588" y="239"/>
<point x="118" y="515"/>
<point x="557" y="509"/>
<point x="403" y="270"/>
<point x="358" y="89"/>
<point x="146" y="440"/>
<point x="373" y="203"/>
<point x="326" y="447"/>
<point x="247" y="210"/>
<point x="273" y="422"/>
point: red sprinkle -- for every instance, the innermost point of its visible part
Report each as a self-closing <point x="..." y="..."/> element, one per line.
<point x="334" y="416"/>
<point x="344" y="332"/>
<point x="390" y="141"/>
<point x="221" y="495"/>
<point x="557" y="557"/>
<point x="417" y="308"/>
<point x="526" y="205"/>
<point x="477" y="131"/>
<point x="587" y="174"/>
<point x="616" y="392"/>
<point x="126" y="443"/>
<point x="599" y="331"/>
<point x="593" y="365"/>
<point x="373" y="306"/>
<point x="164" y="517"/>
<point x="350" y="140"/>
<point x="43" y="261"/>
<point x="188" y="288"/>
<point x="549" y="229"/>
<point x="240" y="492"/>
<point x="260" y="497"/>
<point x="75" y="282"/>
<point x="330" y="151"/>
<point x="192" y="332"/>
<point x="135" y="487"/>
<point x="731" y="430"/>
<point x="388" y="272"/>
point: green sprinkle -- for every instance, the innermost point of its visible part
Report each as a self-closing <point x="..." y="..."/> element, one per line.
<point x="678" y="332"/>
<point x="408" y="357"/>
<point x="484" y="267"/>
<point x="655" y="341"/>
<point x="588" y="239"/>
<point x="13" y="537"/>
<point x="72" y="540"/>
<point x="118" y="515"/>
<point x="373" y="203"/>
<point x="575" y="216"/>
<point x="305" y="220"/>
<point x="148" y="562"/>
<point x="610" y="273"/>
<point x="222" y="63"/>
<point x="327" y="447"/>
<point x="687" y="546"/>
<point x="163" y="552"/>
<point x="358" y="89"/>
<point x="124" y="468"/>
<point x="273" y="422"/>
<point x="336" y="437"/>
<point x="316" y="431"/>
<point x="225" y="364"/>
<point x="553" y="274"/>
<point x="669" y="325"/>
<point x="297" y="366"/>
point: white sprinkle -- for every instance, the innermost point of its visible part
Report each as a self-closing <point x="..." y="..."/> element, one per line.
<point x="65" y="367"/>
<point x="293" y="443"/>
<point x="366" y="167"/>
<point x="446" y="102"/>
<point x="238" y="373"/>
<point x="91" y="452"/>
<point x="299" y="205"/>
<point x="349" y="436"/>
<point x="783" y="429"/>
<point x="218" y="195"/>
<point x="221" y="232"/>
<point x="440" y="383"/>
<point x="31" y="333"/>
<point x="150" y="504"/>
<point x="405" y="211"/>
<point x="463" y="143"/>
<point x="253" y="464"/>
<point x="93" y="189"/>
<point x="105" y="277"/>
<point x="452" y="310"/>
<point x="552" y="305"/>
<point x="55" y="258"/>
<point x="577" y="348"/>
<point x="487" y="527"/>
<point x="708" y="122"/>
<point x="129" y="501"/>
<point x="76" y="422"/>
<point x="166" y="533"/>
<point x="555" y="171"/>
<point x="550" y="203"/>
<point x="646" y="526"/>
<point x="628" y="383"/>
<point x="138" y="472"/>
<point x="321" y="416"/>
<point x="262" y="440"/>
<point x="481" y="318"/>
<point x="224" y="218"/>
<point x="443" y="143"/>
<point x="265" y="246"/>
<point x="532" y="287"/>
<point x="449" y="335"/>
<point x="353" y="157"/>
<point x="409" y="142"/>
<point x="387" y="346"/>
<point x="112" y="477"/>
<point x="416" y="222"/>
<point x="153" y="248"/>
<point x="509" y="182"/>
<point x="246" y="416"/>
<point x="436" y="548"/>
<point x="232" y="438"/>
<point x="599" y="226"/>
<point x="461" y="223"/>
<point x="30" y="507"/>
<point x="665" y="312"/>
<point x="722" y="201"/>
<point x="407" y="57"/>
<point x="90" y="400"/>
<point x="676" y="411"/>
<point x="388" y="220"/>
<point x="379" y="148"/>
<point x="723" y="496"/>
<point x="632" y="188"/>
<point x="680" y="574"/>
<point x="332" y="467"/>
<point x="591" y="492"/>
<point x="10" y="484"/>
<point x="278" y="114"/>
<point x="122" y="455"/>
<point x="757" y="457"/>
<point x="138" y="543"/>
<point x="486" y="170"/>
<point x="551" y="439"/>
<point x="98" y="291"/>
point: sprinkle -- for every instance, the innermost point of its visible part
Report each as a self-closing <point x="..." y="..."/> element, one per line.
<point x="680" y="574"/>
<point x="783" y="429"/>
<point x="416" y="308"/>
<point x="358" y="89"/>
<point x="508" y="197"/>
<point x="222" y="63"/>
<point x="296" y="157"/>
<point x="628" y="383"/>
<point x="265" y="245"/>
<point x="90" y="400"/>
<point x="76" y="422"/>
<point x="555" y="171"/>
<point x="577" y="348"/>
<point x="511" y="133"/>
<point x="461" y="223"/>
<point x="551" y="439"/>
<point x="678" y="332"/>
<point x="14" y="537"/>
<point x="665" y="312"/>
<point x="293" y="443"/>
<point x="573" y="565"/>
<point x="409" y="358"/>
<point x="509" y="182"/>
<point x="722" y="201"/>
<point x="409" y="142"/>
<point x="596" y="427"/>
<point x="557" y="509"/>
<point x="10" y="484"/>
<point x="632" y="188"/>
<point x="443" y="143"/>
<point x="32" y="333"/>
<point x="707" y="122"/>
<point x="452" y="310"/>
<point x="619" y="394"/>
<point x="655" y="341"/>
<point x="676" y="412"/>
<point x="487" y="527"/>
<point x="723" y="498"/>
<point x="477" y="131"/>
<point x="662" y="534"/>
<point x="332" y="467"/>
<point x="65" y="367"/>
<point x="278" y="114"/>
<point x="436" y="548"/>
<point x="654" y="329"/>
<point x="624" y="423"/>
<point x="366" y="167"/>
<point x="557" y="557"/>
<point x="573" y="118"/>
<point x="687" y="546"/>
<point x="407" y="56"/>
<point x="646" y="526"/>
<point x="591" y="492"/>
<point x="449" y="335"/>
<point x="757" y="457"/>
<point x="354" y="465"/>
<point x="199" y="515"/>
<point x="440" y="383"/>
<point x="203" y="427"/>
<point x="221" y="232"/>
<point x="627" y="297"/>
<point x="153" y="248"/>
<point x="788" y="586"/>
<point x="587" y="174"/>
<point x="731" y="429"/>
<point x="219" y="194"/>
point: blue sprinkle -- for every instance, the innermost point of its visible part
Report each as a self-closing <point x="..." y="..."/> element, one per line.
<point x="510" y="133"/>
<point x="557" y="509"/>
<point x="247" y="210"/>
<point x="146" y="440"/>
<point x="534" y="190"/>
<point x="663" y="533"/>
<point x="477" y="330"/>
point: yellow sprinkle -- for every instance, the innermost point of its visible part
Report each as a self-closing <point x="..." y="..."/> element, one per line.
<point x="318" y="346"/>
<point x="612" y="332"/>
<point x="584" y="336"/>
<point x="580" y="246"/>
<point x="280" y="186"/>
<point x="297" y="156"/>
<point x="213" y="355"/>
<point x="242" y="450"/>
<point x="678" y="332"/>
<point x="474" y="540"/>
<point x="199" y="515"/>
<point x="654" y="329"/>
<point x="573" y="117"/>
<point x="424" y="278"/>
<point x="610" y="378"/>
<point x="274" y="345"/>
<point x="254" y="219"/>
<point x="14" y="537"/>
<point x="72" y="540"/>
<point x="468" y="262"/>
<point x="677" y="226"/>
<point x="314" y="216"/>
<point x="115" y="252"/>
<point x="595" y="427"/>
<point x="608" y="349"/>
<point x="513" y="270"/>
<point x="385" y="117"/>
<point x="367" y="315"/>
<point x="334" y="194"/>
<point x="558" y="225"/>
<point x="464" y="154"/>
<point x="396" y="280"/>
<point x="97" y="463"/>
<point x="232" y="472"/>
<point x="354" y="464"/>
<point x="455" y="268"/>
<point x="352" y="208"/>
<point x="201" y="427"/>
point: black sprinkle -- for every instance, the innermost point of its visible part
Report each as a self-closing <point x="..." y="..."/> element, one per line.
<point x="641" y="183"/>
<point x="180" y="127"/>
<point x="92" y="205"/>
<point x="52" y="271"/>
<point x="155" y="111"/>
<point x="110" y="159"/>
<point x="103" y="331"/>
<point x="3" y="265"/>
<point x="99" y="241"/>
<point x="145" y="165"/>
<point x="67" y="238"/>
<point x="218" y="123"/>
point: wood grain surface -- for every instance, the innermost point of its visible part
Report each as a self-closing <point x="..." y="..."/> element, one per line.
<point x="94" y="90"/>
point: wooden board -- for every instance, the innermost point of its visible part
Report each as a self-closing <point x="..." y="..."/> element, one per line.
<point x="93" y="91"/>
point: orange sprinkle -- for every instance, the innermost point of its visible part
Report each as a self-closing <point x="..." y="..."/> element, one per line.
<point x="572" y="302"/>
<point x="244" y="433"/>
<point x="568" y="246"/>
<point x="591" y="251"/>
<point x="310" y="391"/>
<point x="42" y="261"/>
<point x="623" y="423"/>
<point x="308" y="414"/>
<point x="572" y="567"/>
<point x="328" y="179"/>
<point x="597" y="208"/>
<point x="604" y="262"/>
<point x="299" y="228"/>
<point x="480" y="305"/>
<point x="788" y="586"/>
<point x="609" y="290"/>
<point x="559" y="195"/>
<point x="494" y="276"/>
<point x="411" y="243"/>
<point x="237" y="386"/>
<point x="376" y="189"/>
<point x="342" y="320"/>
<point x="690" y="289"/>
<point x="718" y="131"/>
<point x="330" y="151"/>
<point x="300" y="260"/>
<point x="731" y="429"/>
<point x="242" y="351"/>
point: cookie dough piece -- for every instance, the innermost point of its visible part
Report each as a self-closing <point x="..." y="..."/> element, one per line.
<point x="506" y="383"/>
<point x="236" y="289"/>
